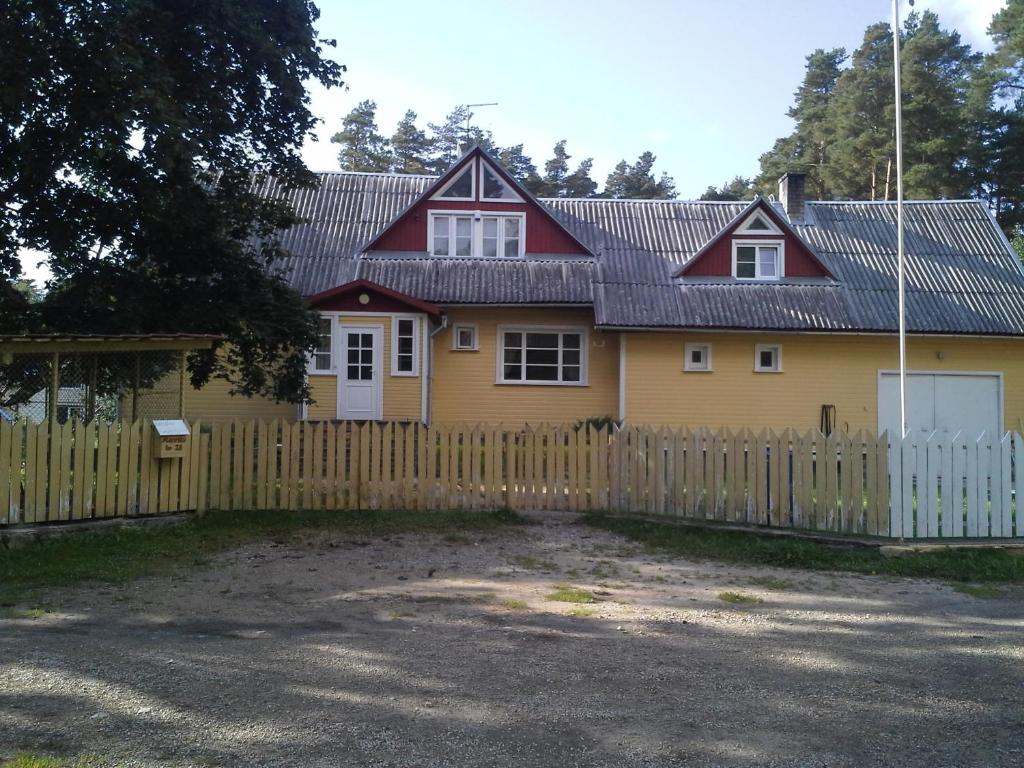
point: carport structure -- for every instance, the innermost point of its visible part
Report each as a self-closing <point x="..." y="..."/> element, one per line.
<point x="57" y="377"/>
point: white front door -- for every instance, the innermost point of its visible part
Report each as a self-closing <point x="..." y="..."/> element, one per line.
<point x="359" y="390"/>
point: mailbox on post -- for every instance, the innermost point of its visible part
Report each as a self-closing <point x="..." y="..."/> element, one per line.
<point x="170" y="438"/>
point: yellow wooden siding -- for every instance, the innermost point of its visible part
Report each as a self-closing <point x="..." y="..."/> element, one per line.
<point x="324" y="391"/>
<point x="214" y="402"/>
<point x="464" y="387"/>
<point x="838" y="370"/>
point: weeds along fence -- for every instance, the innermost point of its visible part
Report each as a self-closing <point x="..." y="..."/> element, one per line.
<point x="854" y="484"/>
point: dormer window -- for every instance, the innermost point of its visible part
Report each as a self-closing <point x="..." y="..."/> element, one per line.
<point x="495" y="187"/>
<point x="757" y="224"/>
<point x="752" y="260"/>
<point x="481" y="234"/>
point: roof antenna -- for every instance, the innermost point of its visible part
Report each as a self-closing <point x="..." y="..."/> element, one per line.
<point x="469" y="115"/>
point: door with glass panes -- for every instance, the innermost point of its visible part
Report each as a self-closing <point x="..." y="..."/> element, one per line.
<point x="360" y="393"/>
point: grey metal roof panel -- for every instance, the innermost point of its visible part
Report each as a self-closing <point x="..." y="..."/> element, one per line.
<point x="961" y="275"/>
<point x="480" y="281"/>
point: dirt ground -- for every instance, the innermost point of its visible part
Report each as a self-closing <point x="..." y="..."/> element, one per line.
<point x="445" y="651"/>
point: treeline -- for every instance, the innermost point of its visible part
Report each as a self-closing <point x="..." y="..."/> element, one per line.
<point x="410" y="149"/>
<point x="963" y="120"/>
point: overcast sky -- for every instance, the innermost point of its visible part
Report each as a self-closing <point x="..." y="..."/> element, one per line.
<point x="704" y="84"/>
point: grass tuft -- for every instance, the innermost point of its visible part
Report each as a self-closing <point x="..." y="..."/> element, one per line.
<point x="528" y="563"/>
<point x="773" y="583"/>
<point x="581" y="612"/>
<point x="117" y="555"/>
<point x="964" y="565"/>
<point x="738" y="598"/>
<point x="515" y="605"/>
<point x="564" y="593"/>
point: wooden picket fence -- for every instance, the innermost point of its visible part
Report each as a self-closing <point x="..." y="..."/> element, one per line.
<point x="842" y="483"/>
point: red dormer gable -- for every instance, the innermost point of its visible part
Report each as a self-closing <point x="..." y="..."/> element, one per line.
<point x="759" y="223"/>
<point x="477" y="184"/>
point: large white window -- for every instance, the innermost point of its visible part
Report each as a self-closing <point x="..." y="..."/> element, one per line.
<point x="480" y="234"/>
<point x="534" y="355"/>
<point x="757" y="260"/>
<point x="322" y="356"/>
<point x="405" y="358"/>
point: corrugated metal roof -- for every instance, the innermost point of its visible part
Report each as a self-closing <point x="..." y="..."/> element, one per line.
<point x="961" y="275"/>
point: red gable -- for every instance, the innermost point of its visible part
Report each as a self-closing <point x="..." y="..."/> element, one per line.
<point x="365" y="296"/>
<point x="715" y="259"/>
<point x="478" y="183"/>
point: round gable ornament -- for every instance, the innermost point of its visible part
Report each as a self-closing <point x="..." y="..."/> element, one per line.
<point x="364" y="298"/>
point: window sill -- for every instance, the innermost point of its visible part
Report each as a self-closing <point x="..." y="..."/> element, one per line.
<point x="413" y="375"/>
<point x="767" y="370"/>
<point x="542" y="384"/>
<point x="698" y="370"/>
<point x="465" y="349"/>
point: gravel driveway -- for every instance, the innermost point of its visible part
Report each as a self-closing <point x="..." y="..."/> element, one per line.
<point x="445" y="651"/>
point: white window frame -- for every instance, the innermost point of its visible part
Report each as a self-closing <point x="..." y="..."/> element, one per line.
<point x="455" y="337"/>
<point x="414" y="319"/>
<point x="688" y="364"/>
<point x="524" y="329"/>
<point x="744" y="228"/>
<point x="485" y="165"/>
<point x="473" y="173"/>
<point x="758" y="349"/>
<point x="477" y="247"/>
<point x="780" y="260"/>
<point x="311" y="369"/>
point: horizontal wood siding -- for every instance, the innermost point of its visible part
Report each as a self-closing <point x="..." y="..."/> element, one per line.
<point x="214" y="402"/>
<point x="836" y="370"/>
<point x="464" y="387"/>
<point x="324" y="391"/>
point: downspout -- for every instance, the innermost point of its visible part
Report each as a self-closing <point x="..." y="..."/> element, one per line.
<point x="430" y="367"/>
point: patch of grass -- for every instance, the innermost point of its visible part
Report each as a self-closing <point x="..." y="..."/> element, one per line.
<point x="581" y="612"/>
<point x="752" y="549"/>
<point x="528" y="563"/>
<point x="117" y="555"/>
<point x="771" y="582"/>
<point x="457" y="598"/>
<point x="22" y="613"/>
<point x="981" y="591"/>
<point x="515" y="605"/>
<point x="27" y="760"/>
<point x="457" y="538"/>
<point x="564" y="593"/>
<point x="738" y="598"/>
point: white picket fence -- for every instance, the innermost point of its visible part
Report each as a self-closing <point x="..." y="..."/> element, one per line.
<point x="960" y="485"/>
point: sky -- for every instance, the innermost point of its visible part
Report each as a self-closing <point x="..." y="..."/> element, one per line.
<point x="704" y="84"/>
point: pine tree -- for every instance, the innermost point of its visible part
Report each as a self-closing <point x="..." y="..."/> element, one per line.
<point x="737" y="189"/>
<point x="362" y="146"/>
<point x="451" y="139"/>
<point x="578" y="183"/>
<point x="806" y="149"/>
<point x="637" y="181"/>
<point x="520" y="166"/>
<point x="409" y="146"/>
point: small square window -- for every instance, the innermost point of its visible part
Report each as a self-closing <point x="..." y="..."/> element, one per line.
<point x="464" y="337"/>
<point x="767" y="358"/>
<point x="698" y="357"/>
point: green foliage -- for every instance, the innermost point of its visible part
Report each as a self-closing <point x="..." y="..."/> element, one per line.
<point x="410" y="148"/>
<point x="738" y="598"/>
<point x="597" y="422"/>
<point x="637" y="181"/>
<point x="1018" y="242"/>
<point x="753" y="549"/>
<point x="133" y="138"/>
<point x="362" y="146"/>
<point x="565" y="593"/>
<point x="558" y="181"/>
<point x="737" y="189"/>
<point x="118" y="555"/>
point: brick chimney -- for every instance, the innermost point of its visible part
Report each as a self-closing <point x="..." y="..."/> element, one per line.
<point x="793" y="194"/>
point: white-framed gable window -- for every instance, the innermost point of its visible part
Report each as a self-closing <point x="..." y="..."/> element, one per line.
<point x="479" y="234"/>
<point x="757" y="223"/>
<point x="405" y="357"/>
<point x="542" y="355"/>
<point x="757" y="259"/>
<point x="767" y="358"/>
<point x="464" y="337"/>
<point x="697" y="357"/>
<point x="322" y="359"/>
<point x="494" y="187"/>
<point x="462" y="186"/>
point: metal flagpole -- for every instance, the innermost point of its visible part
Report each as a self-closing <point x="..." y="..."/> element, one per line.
<point x="899" y="217"/>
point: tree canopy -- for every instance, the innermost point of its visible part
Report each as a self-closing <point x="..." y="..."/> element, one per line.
<point x="133" y="133"/>
<point x="413" y="150"/>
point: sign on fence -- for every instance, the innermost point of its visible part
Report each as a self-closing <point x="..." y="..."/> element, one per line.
<point x="841" y="483"/>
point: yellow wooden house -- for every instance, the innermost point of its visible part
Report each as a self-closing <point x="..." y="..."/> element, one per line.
<point x="465" y="299"/>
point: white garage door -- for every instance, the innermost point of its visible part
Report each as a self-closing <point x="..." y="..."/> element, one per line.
<point x="947" y="402"/>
